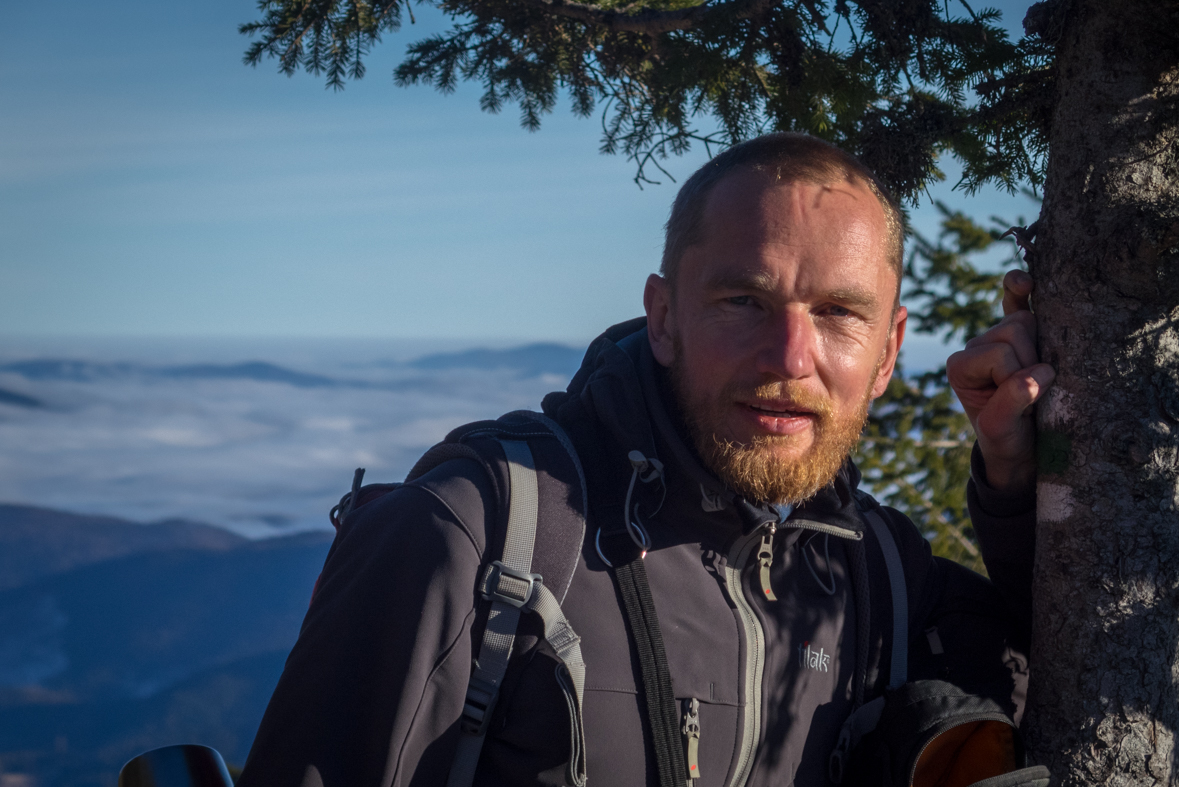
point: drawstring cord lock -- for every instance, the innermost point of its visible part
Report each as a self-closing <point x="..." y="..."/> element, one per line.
<point x="642" y="464"/>
<point x="646" y="470"/>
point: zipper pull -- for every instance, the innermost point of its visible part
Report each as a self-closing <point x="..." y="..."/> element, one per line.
<point x="691" y="731"/>
<point x="765" y="559"/>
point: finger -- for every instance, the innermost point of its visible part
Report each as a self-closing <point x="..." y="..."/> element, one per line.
<point x="1019" y="331"/>
<point x="1017" y="288"/>
<point x="982" y="366"/>
<point x="1002" y="418"/>
<point x="1023" y="318"/>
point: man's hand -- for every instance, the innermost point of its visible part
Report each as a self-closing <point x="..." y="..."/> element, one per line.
<point x="998" y="377"/>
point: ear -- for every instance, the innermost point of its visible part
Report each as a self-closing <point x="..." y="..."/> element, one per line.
<point x="657" y="302"/>
<point x="892" y="349"/>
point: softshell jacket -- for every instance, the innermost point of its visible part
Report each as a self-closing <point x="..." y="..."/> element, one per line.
<point x="373" y="689"/>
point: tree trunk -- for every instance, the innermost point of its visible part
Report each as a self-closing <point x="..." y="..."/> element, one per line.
<point x="1104" y="696"/>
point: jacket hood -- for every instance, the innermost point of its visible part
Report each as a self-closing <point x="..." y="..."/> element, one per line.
<point x="622" y="387"/>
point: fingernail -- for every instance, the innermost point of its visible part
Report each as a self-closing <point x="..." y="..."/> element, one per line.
<point x="1044" y="375"/>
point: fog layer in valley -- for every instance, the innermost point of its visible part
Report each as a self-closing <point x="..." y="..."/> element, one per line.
<point x="256" y="446"/>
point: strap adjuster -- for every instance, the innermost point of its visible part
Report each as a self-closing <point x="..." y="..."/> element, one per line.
<point x="477" y="706"/>
<point x="509" y="586"/>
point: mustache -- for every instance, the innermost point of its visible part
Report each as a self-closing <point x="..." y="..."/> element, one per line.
<point x="790" y="391"/>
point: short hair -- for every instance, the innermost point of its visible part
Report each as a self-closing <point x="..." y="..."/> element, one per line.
<point x="789" y="158"/>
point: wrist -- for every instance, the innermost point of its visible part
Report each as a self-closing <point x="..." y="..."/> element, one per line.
<point x="1010" y="478"/>
<point x="1009" y="500"/>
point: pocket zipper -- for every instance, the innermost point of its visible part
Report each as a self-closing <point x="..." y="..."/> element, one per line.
<point x="691" y="730"/>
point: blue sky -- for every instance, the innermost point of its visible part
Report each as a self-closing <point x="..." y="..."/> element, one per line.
<point x="152" y="185"/>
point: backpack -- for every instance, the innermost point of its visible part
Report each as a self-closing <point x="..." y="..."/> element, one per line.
<point x="537" y="475"/>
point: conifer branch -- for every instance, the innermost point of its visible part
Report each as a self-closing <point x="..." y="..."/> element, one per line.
<point x="650" y="21"/>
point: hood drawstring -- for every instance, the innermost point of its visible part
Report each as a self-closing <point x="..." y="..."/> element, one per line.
<point x="830" y="591"/>
<point x="646" y="470"/>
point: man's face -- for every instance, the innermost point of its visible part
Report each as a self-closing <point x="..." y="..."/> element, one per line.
<point x="780" y="331"/>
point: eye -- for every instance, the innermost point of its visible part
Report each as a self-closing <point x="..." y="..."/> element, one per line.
<point x="836" y="310"/>
<point x="740" y="300"/>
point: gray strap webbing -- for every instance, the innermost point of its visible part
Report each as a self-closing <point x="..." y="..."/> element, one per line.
<point x="567" y="645"/>
<point x="899" y="666"/>
<point x="512" y="590"/>
<point x="500" y="632"/>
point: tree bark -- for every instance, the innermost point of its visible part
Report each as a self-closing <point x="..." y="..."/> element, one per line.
<point x="1104" y="696"/>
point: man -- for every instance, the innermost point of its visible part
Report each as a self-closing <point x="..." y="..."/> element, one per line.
<point x="775" y="322"/>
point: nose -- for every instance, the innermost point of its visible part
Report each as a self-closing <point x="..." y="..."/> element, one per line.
<point x="788" y="346"/>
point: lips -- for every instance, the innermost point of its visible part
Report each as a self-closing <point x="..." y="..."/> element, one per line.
<point x="779" y="410"/>
<point x="779" y="418"/>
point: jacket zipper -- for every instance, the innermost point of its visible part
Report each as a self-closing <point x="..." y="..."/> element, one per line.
<point x="691" y="730"/>
<point x="754" y="635"/>
<point x="765" y="559"/>
<point x="822" y="527"/>
<point x="755" y="646"/>
<point x="765" y="552"/>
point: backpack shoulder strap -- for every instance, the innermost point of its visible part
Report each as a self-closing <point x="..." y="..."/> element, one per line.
<point x="869" y="511"/>
<point x="864" y="717"/>
<point x="899" y="663"/>
<point x="514" y="583"/>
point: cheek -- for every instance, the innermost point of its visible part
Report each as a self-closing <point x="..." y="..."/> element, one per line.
<point x="706" y="346"/>
<point x="706" y="371"/>
<point x="848" y="365"/>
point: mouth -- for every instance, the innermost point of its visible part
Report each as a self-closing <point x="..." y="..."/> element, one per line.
<point x="779" y="410"/>
<point x="781" y="417"/>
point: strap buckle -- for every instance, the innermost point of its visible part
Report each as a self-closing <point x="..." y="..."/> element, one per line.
<point x="509" y="586"/>
<point x="477" y="707"/>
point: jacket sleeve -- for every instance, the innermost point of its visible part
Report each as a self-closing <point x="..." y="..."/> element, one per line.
<point x="373" y="689"/>
<point x="1006" y="530"/>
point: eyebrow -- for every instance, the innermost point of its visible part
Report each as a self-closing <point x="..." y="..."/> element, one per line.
<point x="759" y="281"/>
<point x="854" y="296"/>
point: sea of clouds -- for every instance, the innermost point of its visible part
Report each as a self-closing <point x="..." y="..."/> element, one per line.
<point x="260" y="438"/>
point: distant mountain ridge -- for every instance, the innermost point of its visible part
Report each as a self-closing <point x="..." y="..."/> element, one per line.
<point x="18" y="399"/>
<point x="117" y="637"/>
<point x="37" y="542"/>
<point x="529" y="360"/>
<point x="90" y="371"/>
<point x="526" y="361"/>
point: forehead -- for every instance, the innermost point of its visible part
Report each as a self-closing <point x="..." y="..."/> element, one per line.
<point x="820" y="227"/>
<point x="747" y="197"/>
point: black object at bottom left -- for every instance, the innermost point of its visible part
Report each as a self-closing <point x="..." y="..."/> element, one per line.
<point x="186" y="765"/>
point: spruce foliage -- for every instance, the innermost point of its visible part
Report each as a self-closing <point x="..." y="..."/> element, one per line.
<point x="898" y="82"/>
<point x="915" y="454"/>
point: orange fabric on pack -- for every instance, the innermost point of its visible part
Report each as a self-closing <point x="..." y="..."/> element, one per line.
<point x="966" y="754"/>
